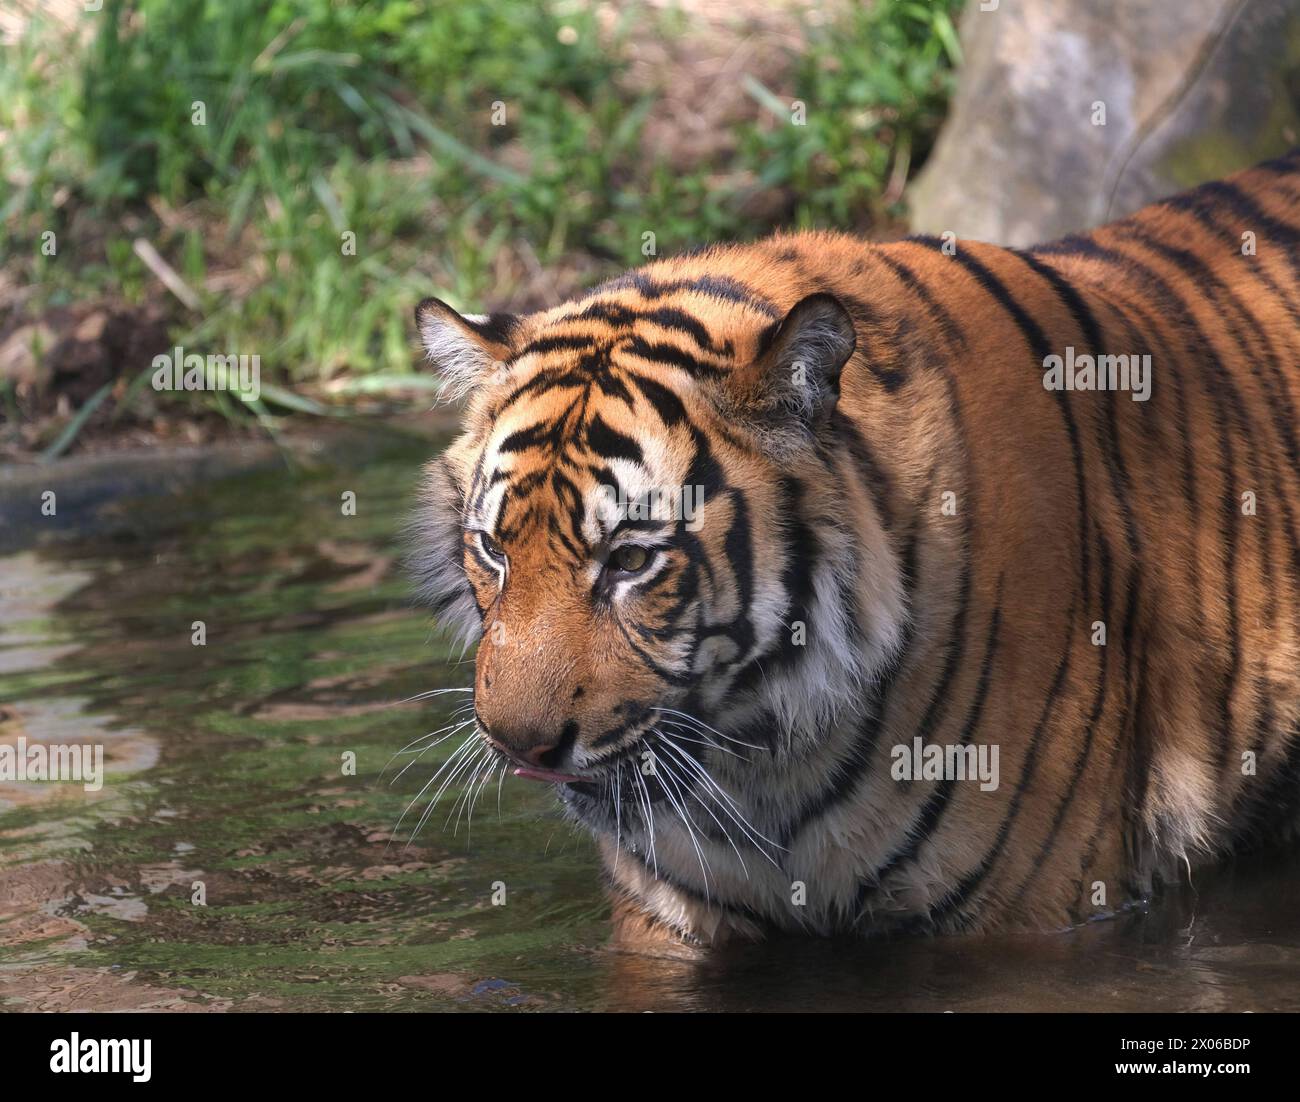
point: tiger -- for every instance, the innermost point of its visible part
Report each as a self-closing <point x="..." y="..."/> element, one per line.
<point x="853" y="588"/>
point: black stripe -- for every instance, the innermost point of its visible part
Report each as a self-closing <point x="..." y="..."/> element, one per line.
<point x="543" y="345"/>
<point x="1285" y="416"/>
<point x="951" y="330"/>
<point x="800" y="550"/>
<point x="738" y="550"/>
<point x="499" y="328"/>
<point x="1285" y="165"/>
<point x="1122" y="483"/>
<point x="669" y="407"/>
<point x="668" y="317"/>
<point x="1208" y="197"/>
<point x="1127" y="311"/>
<point x="1138" y="737"/>
<point x="1074" y="787"/>
<point x="1173" y="304"/>
<point x="956" y="899"/>
<point x="924" y="824"/>
<point x="878" y="483"/>
<point x="543" y="434"/>
<point x="1104" y="823"/>
<point x="609" y="443"/>
<point x="718" y="287"/>
<point x="672" y="356"/>
<point x="1034" y="336"/>
<point x="543" y="380"/>
<point x="1282" y="414"/>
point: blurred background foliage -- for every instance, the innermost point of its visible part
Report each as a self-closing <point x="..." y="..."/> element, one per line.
<point x="325" y="118"/>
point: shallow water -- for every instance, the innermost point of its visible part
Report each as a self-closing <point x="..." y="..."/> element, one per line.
<point x="225" y="770"/>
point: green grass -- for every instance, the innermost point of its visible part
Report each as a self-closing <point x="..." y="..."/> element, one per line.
<point x="875" y="84"/>
<point x="375" y="120"/>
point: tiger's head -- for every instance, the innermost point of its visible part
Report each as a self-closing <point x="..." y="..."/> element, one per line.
<point x="642" y="524"/>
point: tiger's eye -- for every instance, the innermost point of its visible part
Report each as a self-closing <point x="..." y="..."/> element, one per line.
<point x="630" y="558"/>
<point x="491" y="546"/>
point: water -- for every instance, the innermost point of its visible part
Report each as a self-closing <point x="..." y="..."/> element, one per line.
<point x="226" y="775"/>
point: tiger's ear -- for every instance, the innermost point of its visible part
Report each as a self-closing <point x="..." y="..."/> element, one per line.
<point x="465" y="348"/>
<point x="796" y="379"/>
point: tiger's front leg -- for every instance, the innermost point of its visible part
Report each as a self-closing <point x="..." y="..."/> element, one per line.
<point x="651" y="917"/>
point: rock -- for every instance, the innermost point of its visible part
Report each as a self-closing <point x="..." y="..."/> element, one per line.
<point x="1191" y="91"/>
<point x="92" y="326"/>
<point x="23" y="360"/>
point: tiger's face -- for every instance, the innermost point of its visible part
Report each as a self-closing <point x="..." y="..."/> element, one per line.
<point x="584" y="532"/>
<point x="624" y="542"/>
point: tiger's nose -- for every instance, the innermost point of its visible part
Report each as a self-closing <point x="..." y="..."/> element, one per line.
<point x="535" y="755"/>
<point x="523" y="746"/>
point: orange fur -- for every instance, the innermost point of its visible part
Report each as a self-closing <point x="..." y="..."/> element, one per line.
<point x="1175" y="742"/>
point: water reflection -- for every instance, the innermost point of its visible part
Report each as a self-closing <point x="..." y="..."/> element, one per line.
<point x="33" y="642"/>
<point x="228" y="769"/>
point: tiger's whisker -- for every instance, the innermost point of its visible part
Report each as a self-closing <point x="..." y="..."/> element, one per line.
<point x="465" y="762"/>
<point x="725" y="801"/>
<point x="643" y="794"/>
<point x="663" y="773"/>
<point x="618" y="811"/>
<point x="721" y="826"/>
<point x="703" y="740"/>
<point x="456" y="729"/>
<point x="430" y="695"/>
<point x="478" y="775"/>
<point x="453" y="756"/>
<point x="703" y="727"/>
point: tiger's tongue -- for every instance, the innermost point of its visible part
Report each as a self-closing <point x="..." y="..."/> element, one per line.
<point x="548" y="776"/>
